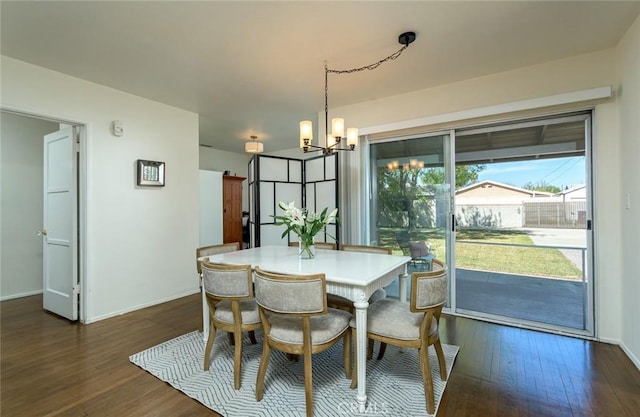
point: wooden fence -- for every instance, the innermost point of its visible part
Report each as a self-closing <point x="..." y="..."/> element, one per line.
<point x="564" y="215"/>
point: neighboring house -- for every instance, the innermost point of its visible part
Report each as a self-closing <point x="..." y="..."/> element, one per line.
<point x="498" y="190"/>
<point x="493" y="204"/>
<point x="577" y="193"/>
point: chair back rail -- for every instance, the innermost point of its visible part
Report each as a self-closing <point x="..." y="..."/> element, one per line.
<point x="214" y="250"/>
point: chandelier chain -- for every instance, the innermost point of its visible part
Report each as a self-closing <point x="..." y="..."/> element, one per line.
<point x="370" y="66"/>
<point x="405" y="38"/>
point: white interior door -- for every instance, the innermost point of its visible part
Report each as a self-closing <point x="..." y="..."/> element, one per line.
<point x="60" y="287"/>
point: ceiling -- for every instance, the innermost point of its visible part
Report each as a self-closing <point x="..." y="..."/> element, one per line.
<point x="257" y="67"/>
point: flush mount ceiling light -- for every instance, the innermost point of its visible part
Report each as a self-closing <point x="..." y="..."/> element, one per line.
<point x="334" y="138"/>
<point x="253" y="146"/>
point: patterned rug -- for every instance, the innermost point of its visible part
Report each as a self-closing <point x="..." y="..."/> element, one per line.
<point x="394" y="384"/>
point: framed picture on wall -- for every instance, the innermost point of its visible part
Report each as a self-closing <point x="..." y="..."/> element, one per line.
<point x="150" y="173"/>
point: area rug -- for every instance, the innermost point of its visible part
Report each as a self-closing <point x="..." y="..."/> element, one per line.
<point x="394" y="384"/>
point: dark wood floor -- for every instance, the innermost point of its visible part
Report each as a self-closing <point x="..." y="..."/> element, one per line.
<point x="50" y="367"/>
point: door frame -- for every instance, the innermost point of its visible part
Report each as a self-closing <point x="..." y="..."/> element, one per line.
<point x="80" y="183"/>
<point x="590" y="296"/>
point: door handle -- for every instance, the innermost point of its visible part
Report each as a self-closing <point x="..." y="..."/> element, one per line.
<point x="42" y="232"/>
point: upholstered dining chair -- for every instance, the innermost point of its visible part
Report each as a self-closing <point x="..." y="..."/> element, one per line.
<point x="214" y="250"/>
<point x="296" y="320"/>
<point x="318" y="245"/>
<point x="232" y="307"/>
<point x="415" y="325"/>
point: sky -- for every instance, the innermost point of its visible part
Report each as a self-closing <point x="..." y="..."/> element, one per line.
<point x="561" y="172"/>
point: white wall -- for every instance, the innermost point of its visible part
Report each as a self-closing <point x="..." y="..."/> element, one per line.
<point x="216" y="160"/>
<point x="22" y="204"/>
<point x="579" y="73"/>
<point x="628" y="89"/>
<point x="140" y="242"/>
<point x="236" y="163"/>
<point x="210" y="208"/>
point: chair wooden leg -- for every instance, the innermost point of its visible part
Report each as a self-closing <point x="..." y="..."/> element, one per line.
<point x="354" y="371"/>
<point x="346" y="353"/>
<point x="308" y="381"/>
<point x="262" y="368"/>
<point x="237" y="359"/>
<point x="427" y="379"/>
<point x="252" y="337"/>
<point x="370" y="349"/>
<point x="207" y="349"/>
<point x="441" y="361"/>
<point x="383" y="348"/>
<point x="201" y="316"/>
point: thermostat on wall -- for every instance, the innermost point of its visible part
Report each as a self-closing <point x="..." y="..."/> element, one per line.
<point x="117" y="128"/>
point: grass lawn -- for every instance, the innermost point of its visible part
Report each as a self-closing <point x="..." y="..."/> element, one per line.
<point x="507" y="259"/>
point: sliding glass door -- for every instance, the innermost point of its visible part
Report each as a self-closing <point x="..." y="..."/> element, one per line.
<point x="410" y="203"/>
<point x="523" y="225"/>
<point x="506" y="205"/>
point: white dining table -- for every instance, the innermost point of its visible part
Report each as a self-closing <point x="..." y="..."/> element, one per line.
<point x="352" y="275"/>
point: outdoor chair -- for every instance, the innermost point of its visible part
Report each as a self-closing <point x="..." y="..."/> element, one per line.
<point x="415" y="325"/>
<point x="297" y="321"/>
<point x="403" y="238"/>
<point x="232" y="308"/>
<point x="421" y="252"/>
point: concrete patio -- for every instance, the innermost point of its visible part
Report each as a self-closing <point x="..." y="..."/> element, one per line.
<point x="518" y="297"/>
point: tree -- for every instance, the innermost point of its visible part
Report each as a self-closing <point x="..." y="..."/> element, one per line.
<point x="542" y="186"/>
<point x="397" y="191"/>
<point x="402" y="191"/>
<point x="465" y="175"/>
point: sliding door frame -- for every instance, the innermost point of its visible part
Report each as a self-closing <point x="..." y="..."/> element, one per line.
<point x="369" y="191"/>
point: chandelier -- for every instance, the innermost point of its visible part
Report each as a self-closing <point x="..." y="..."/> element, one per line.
<point x="412" y="164"/>
<point x="334" y="139"/>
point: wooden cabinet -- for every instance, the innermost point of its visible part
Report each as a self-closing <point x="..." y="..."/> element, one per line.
<point x="232" y="209"/>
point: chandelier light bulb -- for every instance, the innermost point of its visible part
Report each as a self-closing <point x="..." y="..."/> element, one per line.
<point x="352" y="137"/>
<point x="337" y="127"/>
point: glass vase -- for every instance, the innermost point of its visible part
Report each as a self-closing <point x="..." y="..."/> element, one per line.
<point x="306" y="249"/>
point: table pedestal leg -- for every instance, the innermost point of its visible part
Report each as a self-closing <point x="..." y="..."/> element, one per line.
<point x="403" y="286"/>
<point x="205" y="315"/>
<point x="361" y="352"/>
<point x="403" y="290"/>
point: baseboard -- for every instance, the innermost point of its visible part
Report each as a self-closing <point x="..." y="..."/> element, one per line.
<point x="141" y="306"/>
<point x="609" y="341"/>
<point x="24" y="294"/>
<point x="631" y="356"/>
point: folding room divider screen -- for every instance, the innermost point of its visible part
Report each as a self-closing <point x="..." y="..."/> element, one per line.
<point x="311" y="183"/>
